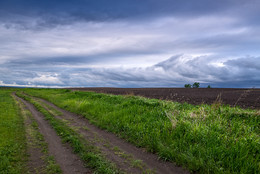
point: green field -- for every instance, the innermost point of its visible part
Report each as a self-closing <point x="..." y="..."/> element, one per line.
<point x="205" y="138"/>
<point x="12" y="135"/>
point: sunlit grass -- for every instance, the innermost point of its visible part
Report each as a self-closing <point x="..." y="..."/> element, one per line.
<point x="205" y="138"/>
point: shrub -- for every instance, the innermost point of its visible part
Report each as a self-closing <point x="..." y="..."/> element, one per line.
<point x="196" y="85"/>
<point x="187" y="85"/>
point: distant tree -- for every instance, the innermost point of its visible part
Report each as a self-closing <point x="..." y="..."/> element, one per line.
<point x="187" y="85"/>
<point x="209" y="86"/>
<point x="196" y="85"/>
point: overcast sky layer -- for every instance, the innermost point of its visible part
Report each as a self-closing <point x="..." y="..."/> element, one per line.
<point x="129" y="43"/>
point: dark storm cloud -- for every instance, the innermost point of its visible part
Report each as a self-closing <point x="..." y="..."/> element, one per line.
<point x="101" y="9"/>
<point x="176" y="71"/>
<point x="50" y="13"/>
<point x="180" y="69"/>
<point x="245" y="63"/>
<point x="15" y="76"/>
<point x="76" y="60"/>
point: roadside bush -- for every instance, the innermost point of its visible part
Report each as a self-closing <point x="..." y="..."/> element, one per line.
<point x="187" y="85"/>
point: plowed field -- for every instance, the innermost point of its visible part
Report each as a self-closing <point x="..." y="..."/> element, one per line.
<point x="246" y="98"/>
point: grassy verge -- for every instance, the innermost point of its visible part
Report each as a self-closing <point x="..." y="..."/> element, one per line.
<point x="205" y="138"/>
<point x="126" y="158"/>
<point x="88" y="153"/>
<point x="35" y="140"/>
<point x="12" y="136"/>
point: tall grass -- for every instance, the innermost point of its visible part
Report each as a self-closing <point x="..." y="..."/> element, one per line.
<point x="205" y="138"/>
<point x="12" y="136"/>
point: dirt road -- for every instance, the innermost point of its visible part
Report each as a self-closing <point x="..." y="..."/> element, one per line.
<point x="126" y="157"/>
<point x="65" y="158"/>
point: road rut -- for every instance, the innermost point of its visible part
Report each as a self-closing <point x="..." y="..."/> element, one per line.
<point x="69" y="162"/>
<point x="91" y="132"/>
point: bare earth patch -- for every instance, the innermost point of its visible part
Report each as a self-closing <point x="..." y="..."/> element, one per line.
<point x="245" y="98"/>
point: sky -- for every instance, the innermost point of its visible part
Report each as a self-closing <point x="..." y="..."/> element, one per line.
<point x="130" y="43"/>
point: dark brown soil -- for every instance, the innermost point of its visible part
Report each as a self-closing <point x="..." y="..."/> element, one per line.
<point x="245" y="98"/>
<point x="122" y="153"/>
<point x="66" y="159"/>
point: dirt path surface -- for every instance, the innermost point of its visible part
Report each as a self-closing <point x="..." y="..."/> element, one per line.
<point x="246" y="98"/>
<point x="125" y="155"/>
<point x="36" y="163"/>
<point x="66" y="159"/>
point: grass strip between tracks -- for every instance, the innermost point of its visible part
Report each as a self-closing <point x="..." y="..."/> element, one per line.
<point x="12" y="136"/>
<point x="205" y="138"/>
<point x="88" y="153"/>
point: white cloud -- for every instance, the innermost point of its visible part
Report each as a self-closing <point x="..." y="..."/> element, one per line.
<point x="46" y="79"/>
<point x="167" y="35"/>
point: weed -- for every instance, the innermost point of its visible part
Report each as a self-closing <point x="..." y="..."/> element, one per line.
<point x="116" y="149"/>
<point x="217" y="103"/>
<point x="172" y="119"/>
<point x="138" y="164"/>
<point x="243" y="95"/>
<point x="52" y="167"/>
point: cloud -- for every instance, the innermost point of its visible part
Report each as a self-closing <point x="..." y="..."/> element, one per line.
<point x="248" y="62"/>
<point x="50" y="14"/>
<point x="126" y="43"/>
<point x="180" y="69"/>
<point x="209" y="69"/>
<point x="2" y="84"/>
<point x="45" y="79"/>
<point x="173" y="72"/>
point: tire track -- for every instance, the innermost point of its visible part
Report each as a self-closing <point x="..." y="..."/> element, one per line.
<point x="107" y="142"/>
<point x="68" y="161"/>
<point x="35" y="144"/>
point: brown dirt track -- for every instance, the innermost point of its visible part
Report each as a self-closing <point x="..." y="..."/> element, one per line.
<point x="245" y="98"/>
<point x="123" y="154"/>
<point x="63" y="153"/>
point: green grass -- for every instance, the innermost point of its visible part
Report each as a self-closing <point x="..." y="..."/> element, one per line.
<point x="88" y="153"/>
<point x="128" y="158"/>
<point x="12" y="136"/>
<point x="205" y="138"/>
